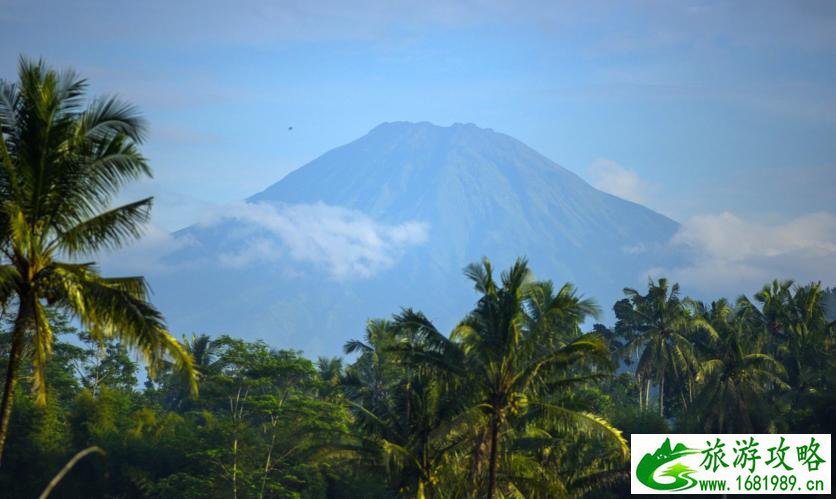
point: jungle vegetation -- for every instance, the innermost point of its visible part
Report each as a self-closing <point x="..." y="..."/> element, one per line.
<point x="520" y="399"/>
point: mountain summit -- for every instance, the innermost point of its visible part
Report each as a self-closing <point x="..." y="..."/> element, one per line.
<point x="390" y="220"/>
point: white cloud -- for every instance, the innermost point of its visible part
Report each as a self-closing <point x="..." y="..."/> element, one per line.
<point x="145" y="255"/>
<point x="728" y="254"/>
<point x="618" y="180"/>
<point x="347" y="243"/>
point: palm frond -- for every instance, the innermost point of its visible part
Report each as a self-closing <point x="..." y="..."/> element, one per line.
<point x="586" y="422"/>
<point x="113" y="306"/>
<point x="108" y="230"/>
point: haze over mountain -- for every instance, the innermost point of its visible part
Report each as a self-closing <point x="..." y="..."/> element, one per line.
<point x="390" y="220"/>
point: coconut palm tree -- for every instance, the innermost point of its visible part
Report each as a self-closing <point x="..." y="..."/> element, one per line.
<point x="793" y="324"/>
<point x="735" y="381"/>
<point x="521" y="339"/>
<point x="372" y="379"/>
<point x="330" y="372"/>
<point x="204" y="352"/>
<point x="771" y="316"/>
<point x="62" y="165"/>
<point x="811" y="336"/>
<point x="409" y="412"/>
<point x="664" y="334"/>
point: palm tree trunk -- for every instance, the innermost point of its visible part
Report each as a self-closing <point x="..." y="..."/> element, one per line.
<point x="21" y="323"/>
<point x="492" y="462"/>
<point x="690" y="389"/>
<point x="420" y="493"/>
<point x="662" y="396"/>
<point x="235" y="469"/>
<point x="237" y="415"/>
<point x="274" y="422"/>
<point x="641" y="394"/>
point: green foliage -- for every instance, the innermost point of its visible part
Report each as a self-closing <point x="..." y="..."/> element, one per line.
<point x="261" y="428"/>
<point x="63" y="161"/>
<point x="516" y="401"/>
<point x="664" y="328"/>
<point x="488" y="409"/>
<point x="413" y="415"/>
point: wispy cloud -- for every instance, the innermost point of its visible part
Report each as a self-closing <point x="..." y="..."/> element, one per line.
<point x="346" y="243"/>
<point x="727" y="254"/>
<point x="343" y="243"/>
<point x="618" y="180"/>
<point x="145" y="256"/>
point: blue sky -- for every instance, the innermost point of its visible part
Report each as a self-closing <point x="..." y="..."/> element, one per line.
<point x="721" y="115"/>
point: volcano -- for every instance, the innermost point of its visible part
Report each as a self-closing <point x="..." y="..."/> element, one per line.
<point x="389" y="221"/>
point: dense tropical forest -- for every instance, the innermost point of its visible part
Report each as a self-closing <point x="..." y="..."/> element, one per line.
<point x="520" y="399"/>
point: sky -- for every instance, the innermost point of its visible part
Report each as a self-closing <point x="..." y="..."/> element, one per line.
<point x="721" y="115"/>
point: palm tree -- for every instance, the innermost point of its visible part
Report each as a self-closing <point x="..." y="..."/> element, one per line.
<point x="204" y="352"/>
<point x="773" y="316"/>
<point x="409" y="412"/>
<point x="62" y="165"/>
<point x="330" y="373"/>
<point x="664" y="329"/>
<point x="792" y="321"/>
<point x="541" y="462"/>
<point x="811" y="336"/>
<point x="734" y="383"/>
<point x="520" y="340"/>
<point x="371" y="378"/>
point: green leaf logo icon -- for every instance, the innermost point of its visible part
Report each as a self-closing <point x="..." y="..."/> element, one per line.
<point x="665" y="454"/>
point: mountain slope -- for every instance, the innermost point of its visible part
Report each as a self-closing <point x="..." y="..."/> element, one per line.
<point x="389" y="220"/>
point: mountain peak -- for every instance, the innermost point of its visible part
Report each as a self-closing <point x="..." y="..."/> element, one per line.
<point x="472" y="191"/>
<point x="418" y="125"/>
<point x="428" y="131"/>
<point x="455" y="176"/>
<point x="409" y="160"/>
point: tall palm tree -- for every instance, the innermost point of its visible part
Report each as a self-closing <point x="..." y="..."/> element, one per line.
<point x="664" y="330"/>
<point x="773" y="315"/>
<point x="520" y="339"/>
<point x="792" y="322"/>
<point x="408" y="411"/>
<point x="371" y="379"/>
<point x="330" y="372"/>
<point x="62" y="165"/>
<point x="735" y="381"/>
<point x="204" y="352"/>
